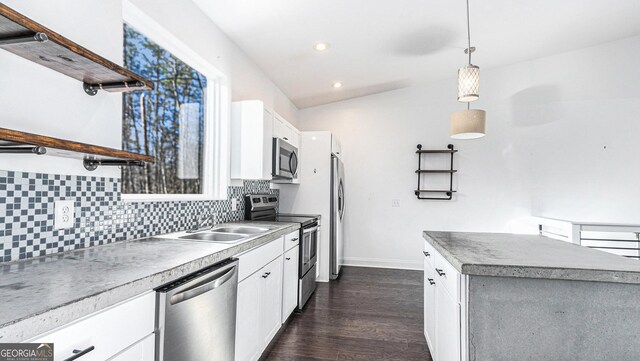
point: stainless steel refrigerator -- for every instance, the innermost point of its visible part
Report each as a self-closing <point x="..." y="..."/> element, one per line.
<point x="337" y="215"/>
<point x="320" y="192"/>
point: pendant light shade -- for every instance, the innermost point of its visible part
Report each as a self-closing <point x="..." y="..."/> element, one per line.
<point x="468" y="124"/>
<point x="468" y="83"/>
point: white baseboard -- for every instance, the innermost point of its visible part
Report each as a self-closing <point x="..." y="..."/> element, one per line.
<point x="383" y="263"/>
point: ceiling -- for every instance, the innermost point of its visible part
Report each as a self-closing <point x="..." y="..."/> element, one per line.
<point x="380" y="45"/>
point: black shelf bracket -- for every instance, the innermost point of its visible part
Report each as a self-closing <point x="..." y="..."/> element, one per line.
<point x="23" y="39"/>
<point x="447" y="192"/>
<point x="93" y="164"/>
<point x="92" y="89"/>
<point x="22" y="149"/>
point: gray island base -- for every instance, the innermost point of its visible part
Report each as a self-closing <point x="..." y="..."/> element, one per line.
<point x="528" y="297"/>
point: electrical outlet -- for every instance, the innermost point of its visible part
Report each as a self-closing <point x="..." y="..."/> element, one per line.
<point x="234" y="204"/>
<point x="395" y="203"/>
<point x="65" y="214"/>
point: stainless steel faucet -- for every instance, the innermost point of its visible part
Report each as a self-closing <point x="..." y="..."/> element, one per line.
<point x="205" y="222"/>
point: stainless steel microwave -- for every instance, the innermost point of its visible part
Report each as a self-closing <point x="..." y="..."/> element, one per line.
<point x="285" y="160"/>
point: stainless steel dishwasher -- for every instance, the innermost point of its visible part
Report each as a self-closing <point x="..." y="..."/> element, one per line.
<point x="196" y="315"/>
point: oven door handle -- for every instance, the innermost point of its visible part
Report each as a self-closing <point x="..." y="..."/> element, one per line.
<point x="309" y="230"/>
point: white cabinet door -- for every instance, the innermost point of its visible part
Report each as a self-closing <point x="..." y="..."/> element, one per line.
<point x="248" y="336"/>
<point x="430" y="307"/>
<point x="284" y="130"/>
<point x="271" y="300"/>
<point x="293" y="135"/>
<point x="447" y="326"/>
<point x="251" y="140"/>
<point x="279" y="128"/>
<point x="336" y="147"/>
<point x="141" y="351"/>
<point x="290" y="282"/>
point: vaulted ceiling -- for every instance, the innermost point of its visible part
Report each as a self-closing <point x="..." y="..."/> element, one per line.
<point x="380" y="45"/>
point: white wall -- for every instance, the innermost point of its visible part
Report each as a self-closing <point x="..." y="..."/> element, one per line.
<point x="561" y="142"/>
<point x="38" y="100"/>
<point x="186" y="21"/>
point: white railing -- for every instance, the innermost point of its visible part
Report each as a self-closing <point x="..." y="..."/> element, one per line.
<point x="620" y="239"/>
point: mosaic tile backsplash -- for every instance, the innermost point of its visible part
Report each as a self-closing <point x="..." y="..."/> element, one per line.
<point x="27" y="213"/>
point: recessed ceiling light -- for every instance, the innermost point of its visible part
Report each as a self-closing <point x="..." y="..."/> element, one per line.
<point x="337" y="85"/>
<point x="321" y="46"/>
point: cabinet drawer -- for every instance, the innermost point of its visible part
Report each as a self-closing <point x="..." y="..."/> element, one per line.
<point x="109" y="331"/>
<point x="291" y="240"/>
<point x="447" y="276"/>
<point x="429" y="254"/>
<point x="254" y="259"/>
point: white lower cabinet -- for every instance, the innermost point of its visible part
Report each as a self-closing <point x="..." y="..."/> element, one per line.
<point x="248" y="332"/>
<point x="265" y="296"/>
<point x="271" y="300"/>
<point x="109" y="333"/>
<point x="447" y="345"/>
<point x="141" y="351"/>
<point x="290" y="282"/>
<point x="444" y="296"/>
<point x="430" y="308"/>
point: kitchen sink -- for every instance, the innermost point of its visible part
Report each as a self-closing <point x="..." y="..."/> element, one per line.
<point x="241" y="230"/>
<point x="216" y="237"/>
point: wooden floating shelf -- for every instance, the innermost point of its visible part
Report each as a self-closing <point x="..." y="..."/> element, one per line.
<point x="14" y="142"/>
<point x="436" y="151"/>
<point x="435" y="171"/>
<point x="30" y="40"/>
<point x="434" y="191"/>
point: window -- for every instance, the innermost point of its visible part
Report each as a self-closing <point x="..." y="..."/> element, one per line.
<point x="182" y="122"/>
<point x="166" y="122"/>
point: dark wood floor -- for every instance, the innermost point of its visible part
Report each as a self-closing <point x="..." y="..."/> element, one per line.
<point x="369" y="314"/>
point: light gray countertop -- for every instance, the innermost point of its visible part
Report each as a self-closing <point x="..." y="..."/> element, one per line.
<point x="42" y="294"/>
<point x="530" y="256"/>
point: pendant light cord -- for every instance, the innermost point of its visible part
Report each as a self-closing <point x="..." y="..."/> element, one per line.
<point x="468" y="33"/>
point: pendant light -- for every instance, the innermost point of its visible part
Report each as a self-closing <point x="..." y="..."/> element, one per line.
<point x="469" y="123"/>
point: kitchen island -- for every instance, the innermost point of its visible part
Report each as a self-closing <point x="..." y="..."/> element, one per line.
<point x="527" y="297"/>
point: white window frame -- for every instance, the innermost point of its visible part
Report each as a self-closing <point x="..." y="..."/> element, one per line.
<point x="215" y="163"/>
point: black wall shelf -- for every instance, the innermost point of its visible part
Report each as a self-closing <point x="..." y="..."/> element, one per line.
<point x="448" y="193"/>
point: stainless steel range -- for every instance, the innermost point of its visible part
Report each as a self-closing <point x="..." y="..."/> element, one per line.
<point x="263" y="207"/>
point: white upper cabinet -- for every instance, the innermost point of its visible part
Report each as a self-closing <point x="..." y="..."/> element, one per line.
<point x="253" y="128"/>
<point x="336" y="147"/>
<point x="284" y="130"/>
<point x="251" y="140"/>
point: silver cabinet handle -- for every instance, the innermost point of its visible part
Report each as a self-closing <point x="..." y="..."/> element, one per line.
<point x="288" y="258"/>
<point x="431" y="281"/>
<point x="266" y="274"/>
<point x="439" y="272"/>
<point x="79" y="353"/>
<point x="197" y="291"/>
<point x="427" y="254"/>
<point x="294" y="239"/>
